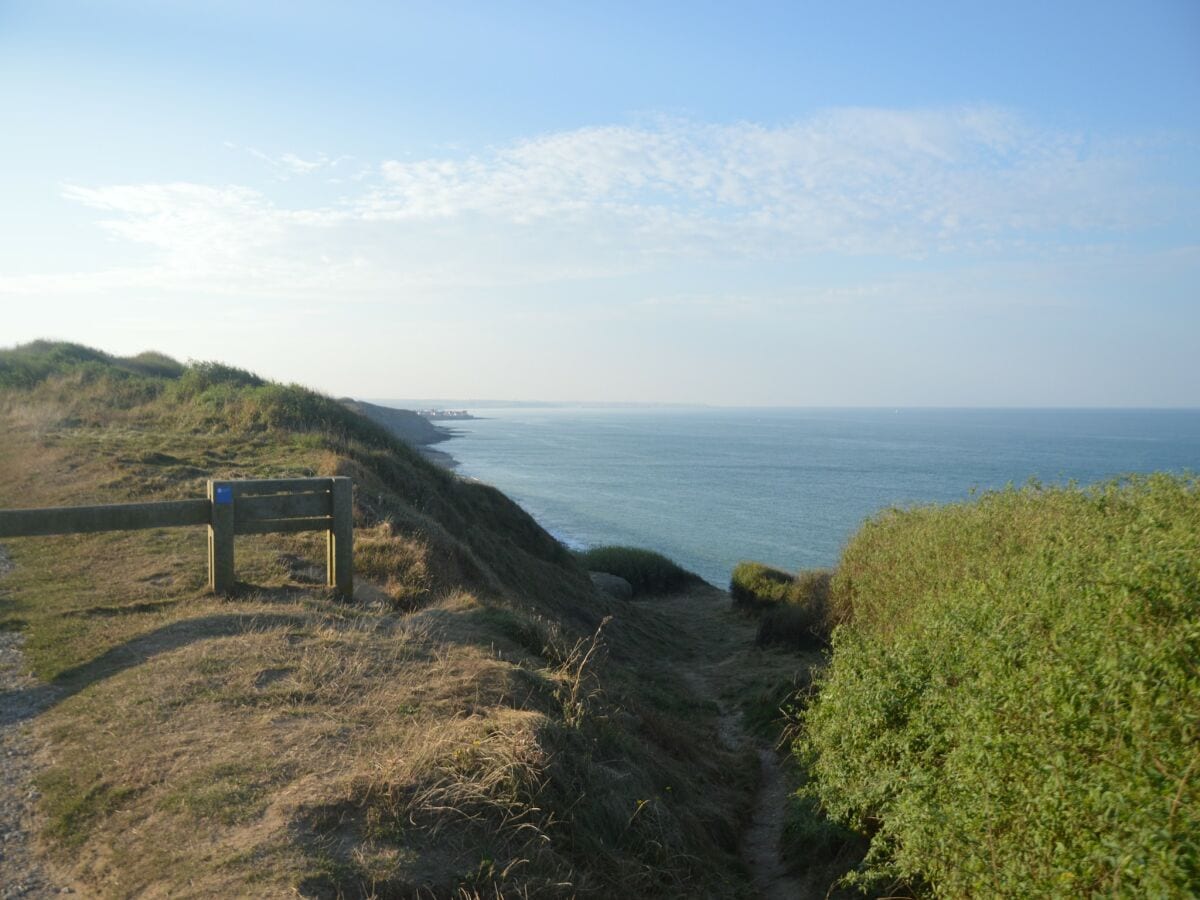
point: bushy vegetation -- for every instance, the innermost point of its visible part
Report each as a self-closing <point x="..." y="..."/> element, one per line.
<point x="158" y="365"/>
<point x="30" y="364"/>
<point x="793" y="609"/>
<point x="1013" y="703"/>
<point x="646" y="571"/>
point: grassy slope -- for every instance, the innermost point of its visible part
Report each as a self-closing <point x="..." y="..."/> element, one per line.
<point x="443" y="733"/>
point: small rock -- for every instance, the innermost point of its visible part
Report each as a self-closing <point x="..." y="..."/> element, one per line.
<point x="613" y="585"/>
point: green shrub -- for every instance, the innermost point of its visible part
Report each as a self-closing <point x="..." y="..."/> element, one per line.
<point x="1013" y="703"/>
<point x="155" y="364"/>
<point x="792" y="625"/>
<point x="793" y="609"/>
<point x="755" y="583"/>
<point x="200" y="377"/>
<point x="648" y="572"/>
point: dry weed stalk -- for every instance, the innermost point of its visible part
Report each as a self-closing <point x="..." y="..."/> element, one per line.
<point x="579" y="686"/>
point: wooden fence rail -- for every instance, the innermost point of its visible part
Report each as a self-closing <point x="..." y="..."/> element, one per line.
<point x="232" y="507"/>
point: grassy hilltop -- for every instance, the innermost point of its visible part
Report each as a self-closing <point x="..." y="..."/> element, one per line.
<point x="472" y="724"/>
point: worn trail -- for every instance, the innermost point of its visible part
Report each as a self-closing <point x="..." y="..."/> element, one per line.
<point x="724" y="666"/>
<point x="22" y="874"/>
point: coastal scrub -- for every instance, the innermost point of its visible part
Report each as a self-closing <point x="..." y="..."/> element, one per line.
<point x="1013" y="703"/>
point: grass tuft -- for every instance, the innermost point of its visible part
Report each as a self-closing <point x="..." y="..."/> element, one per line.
<point x="646" y="571"/>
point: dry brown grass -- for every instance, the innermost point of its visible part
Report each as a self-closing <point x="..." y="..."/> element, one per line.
<point x="263" y="721"/>
<point x="37" y="418"/>
<point x="460" y="730"/>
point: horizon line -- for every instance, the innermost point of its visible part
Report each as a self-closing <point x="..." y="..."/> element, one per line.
<point x="672" y="404"/>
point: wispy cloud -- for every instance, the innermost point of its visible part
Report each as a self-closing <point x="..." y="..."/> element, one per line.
<point x="289" y="165"/>
<point x="855" y="180"/>
<point x="619" y="199"/>
<point x="187" y="221"/>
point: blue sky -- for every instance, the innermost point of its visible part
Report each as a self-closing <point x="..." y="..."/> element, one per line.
<point x="800" y="204"/>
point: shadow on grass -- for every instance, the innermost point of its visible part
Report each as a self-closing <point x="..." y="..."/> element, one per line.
<point x="108" y="612"/>
<point x="26" y="703"/>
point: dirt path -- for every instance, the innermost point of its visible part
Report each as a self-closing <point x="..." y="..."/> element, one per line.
<point x="21" y="873"/>
<point x="724" y="667"/>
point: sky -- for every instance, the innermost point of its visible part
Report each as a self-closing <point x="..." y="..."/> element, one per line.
<point x="801" y="204"/>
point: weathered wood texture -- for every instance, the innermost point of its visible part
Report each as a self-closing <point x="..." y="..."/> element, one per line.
<point x="220" y="538"/>
<point x="112" y="517"/>
<point x="280" y="506"/>
<point x="340" y="539"/>
<point x="258" y="486"/>
<point x="284" y="526"/>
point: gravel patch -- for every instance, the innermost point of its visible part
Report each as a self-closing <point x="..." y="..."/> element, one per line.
<point x="21" y="699"/>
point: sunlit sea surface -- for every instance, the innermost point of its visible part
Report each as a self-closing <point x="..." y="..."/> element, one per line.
<point x="709" y="487"/>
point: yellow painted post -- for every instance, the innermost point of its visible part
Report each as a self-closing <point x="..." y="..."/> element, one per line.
<point x="340" y="540"/>
<point x="220" y="537"/>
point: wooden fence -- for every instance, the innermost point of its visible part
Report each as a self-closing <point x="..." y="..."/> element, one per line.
<point x="231" y="508"/>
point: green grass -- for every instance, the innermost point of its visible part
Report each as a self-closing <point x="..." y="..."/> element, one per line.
<point x="74" y="804"/>
<point x="229" y="792"/>
<point x="812" y="841"/>
<point x="1013" y="703"/>
<point x="646" y="571"/>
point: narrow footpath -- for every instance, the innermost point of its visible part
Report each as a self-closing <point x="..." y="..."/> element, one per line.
<point x="725" y="668"/>
<point x="21" y="873"/>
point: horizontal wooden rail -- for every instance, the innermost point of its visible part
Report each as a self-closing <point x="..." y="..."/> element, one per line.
<point x="263" y="506"/>
<point x="258" y="486"/>
<point x="113" y="517"/>
<point x="284" y="526"/>
<point x="280" y="506"/>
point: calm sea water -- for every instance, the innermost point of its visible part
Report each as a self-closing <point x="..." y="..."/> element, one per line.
<point x="788" y="487"/>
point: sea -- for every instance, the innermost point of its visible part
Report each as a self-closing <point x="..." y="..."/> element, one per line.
<point x="709" y="487"/>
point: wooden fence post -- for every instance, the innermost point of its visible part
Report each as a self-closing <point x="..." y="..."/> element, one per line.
<point x="220" y="537"/>
<point x="340" y="538"/>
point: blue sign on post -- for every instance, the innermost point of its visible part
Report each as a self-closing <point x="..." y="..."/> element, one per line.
<point x="224" y="494"/>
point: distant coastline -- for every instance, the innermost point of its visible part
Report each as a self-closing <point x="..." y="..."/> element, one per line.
<point x="439" y="414"/>
<point x="413" y="427"/>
